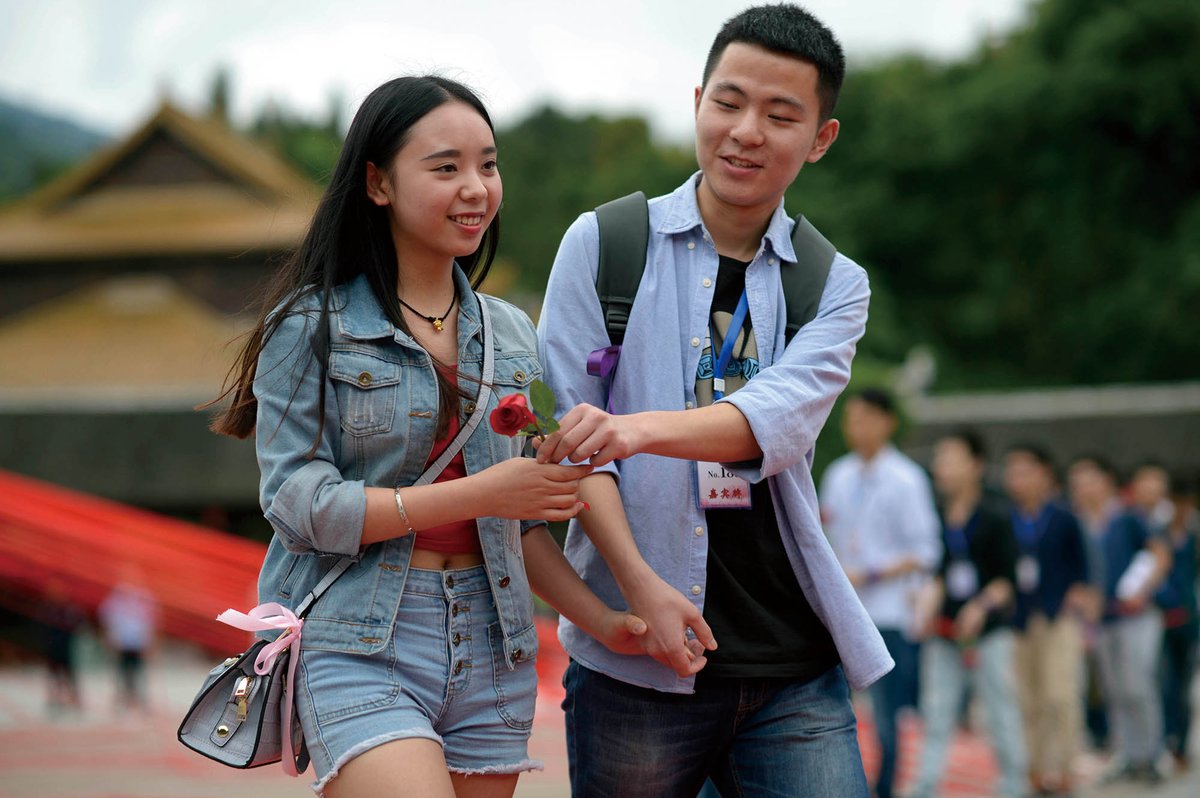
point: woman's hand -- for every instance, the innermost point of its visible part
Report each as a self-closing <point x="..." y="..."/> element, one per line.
<point x="625" y="633"/>
<point x="622" y="633"/>
<point x="527" y="490"/>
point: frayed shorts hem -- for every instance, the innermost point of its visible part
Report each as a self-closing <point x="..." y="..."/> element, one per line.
<point x="416" y="733"/>
<point x="499" y="770"/>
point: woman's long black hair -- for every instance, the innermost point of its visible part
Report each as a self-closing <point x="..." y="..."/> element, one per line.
<point x="351" y="235"/>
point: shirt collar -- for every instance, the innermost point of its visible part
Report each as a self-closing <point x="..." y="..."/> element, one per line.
<point x="362" y="317"/>
<point x="683" y="214"/>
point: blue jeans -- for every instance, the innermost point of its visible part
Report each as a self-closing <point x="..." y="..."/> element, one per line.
<point x="944" y="682"/>
<point x="1178" y="665"/>
<point x="753" y="737"/>
<point x="888" y="695"/>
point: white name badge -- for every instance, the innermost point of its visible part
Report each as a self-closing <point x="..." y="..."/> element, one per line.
<point x="962" y="580"/>
<point x="719" y="488"/>
<point x="1028" y="573"/>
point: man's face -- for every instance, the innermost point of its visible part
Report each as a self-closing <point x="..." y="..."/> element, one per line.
<point x="866" y="427"/>
<point x="1149" y="486"/>
<point x="1088" y="485"/>
<point x="757" y="123"/>
<point x="1026" y="480"/>
<point x="954" y="467"/>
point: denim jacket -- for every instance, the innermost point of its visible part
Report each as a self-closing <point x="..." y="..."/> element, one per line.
<point x="377" y="429"/>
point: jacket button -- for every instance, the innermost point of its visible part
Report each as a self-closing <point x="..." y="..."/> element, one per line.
<point x="458" y="666"/>
<point x="519" y="376"/>
<point x="457" y="638"/>
<point x="364" y="379"/>
<point x="504" y="580"/>
<point x="454" y="610"/>
<point x="517" y="654"/>
<point x="469" y="407"/>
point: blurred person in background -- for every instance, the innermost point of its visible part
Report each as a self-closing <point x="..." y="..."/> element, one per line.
<point x="1149" y="492"/>
<point x="62" y="618"/>
<point x="879" y="514"/>
<point x="1053" y="598"/>
<point x="1129" y="641"/>
<point x="966" y="619"/>
<point x="1181" y="628"/>
<point x="129" y="617"/>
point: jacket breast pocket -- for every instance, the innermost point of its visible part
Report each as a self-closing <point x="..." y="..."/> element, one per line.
<point x="366" y="391"/>
<point x="515" y="372"/>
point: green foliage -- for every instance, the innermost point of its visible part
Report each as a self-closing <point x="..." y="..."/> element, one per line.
<point x="556" y="167"/>
<point x="542" y="399"/>
<point x="1030" y="212"/>
<point x="312" y="146"/>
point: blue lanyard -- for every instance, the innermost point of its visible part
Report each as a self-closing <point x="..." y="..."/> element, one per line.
<point x="735" y="326"/>
<point x="1030" y="530"/>
<point x="958" y="537"/>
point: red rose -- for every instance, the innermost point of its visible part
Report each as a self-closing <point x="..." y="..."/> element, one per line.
<point x="512" y="415"/>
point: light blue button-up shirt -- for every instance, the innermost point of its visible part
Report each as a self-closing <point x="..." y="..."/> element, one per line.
<point x="877" y="513"/>
<point x="786" y="405"/>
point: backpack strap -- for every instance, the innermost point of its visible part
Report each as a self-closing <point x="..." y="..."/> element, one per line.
<point x="804" y="280"/>
<point x="624" y="236"/>
<point x="625" y="233"/>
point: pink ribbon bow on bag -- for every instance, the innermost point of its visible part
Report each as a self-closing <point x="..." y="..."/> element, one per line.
<point x="263" y="618"/>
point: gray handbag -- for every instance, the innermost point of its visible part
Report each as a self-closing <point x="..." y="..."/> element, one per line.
<point x="238" y="716"/>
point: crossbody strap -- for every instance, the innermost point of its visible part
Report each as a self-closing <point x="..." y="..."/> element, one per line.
<point x="431" y="473"/>
<point x="485" y="393"/>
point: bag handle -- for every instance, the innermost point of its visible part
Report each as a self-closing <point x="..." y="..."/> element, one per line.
<point x="431" y="473"/>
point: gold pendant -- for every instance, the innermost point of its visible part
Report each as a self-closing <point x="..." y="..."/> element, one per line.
<point x="437" y="325"/>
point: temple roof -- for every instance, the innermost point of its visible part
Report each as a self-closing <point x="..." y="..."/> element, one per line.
<point x="179" y="185"/>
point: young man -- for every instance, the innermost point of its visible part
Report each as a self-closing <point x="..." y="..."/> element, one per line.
<point x="879" y="514"/>
<point x="771" y="711"/>
<point x="1129" y="643"/>
<point x="1053" y="599"/>
<point x="969" y="635"/>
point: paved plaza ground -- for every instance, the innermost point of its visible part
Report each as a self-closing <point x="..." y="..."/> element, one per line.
<point x="104" y="753"/>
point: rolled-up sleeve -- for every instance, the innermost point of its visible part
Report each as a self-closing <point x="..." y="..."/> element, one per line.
<point x="571" y="325"/>
<point x="788" y="402"/>
<point x="309" y="504"/>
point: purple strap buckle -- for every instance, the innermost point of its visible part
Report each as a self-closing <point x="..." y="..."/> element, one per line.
<point x="602" y="363"/>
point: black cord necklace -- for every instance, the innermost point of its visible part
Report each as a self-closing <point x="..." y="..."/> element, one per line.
<point x="438" y="322"/>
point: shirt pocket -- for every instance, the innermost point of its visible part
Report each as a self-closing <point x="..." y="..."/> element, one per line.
<point x="366" y="389"/>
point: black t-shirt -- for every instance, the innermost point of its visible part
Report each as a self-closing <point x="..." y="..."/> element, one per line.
<point x="764" y="625"/>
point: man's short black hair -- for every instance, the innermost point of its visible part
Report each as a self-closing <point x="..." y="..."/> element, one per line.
<point x="877" y="398"/>
<point x="1100" y="463"/>
<point x="1039" y="453"/>
<point x="971" y="439"/>
<point x="790" y="30"/>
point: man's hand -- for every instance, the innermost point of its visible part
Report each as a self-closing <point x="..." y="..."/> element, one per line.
<point x="970" y="620"/>
<point x="588" y="432"/>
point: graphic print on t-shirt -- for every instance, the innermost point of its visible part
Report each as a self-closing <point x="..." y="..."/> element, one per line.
<point x="744" y="363"/>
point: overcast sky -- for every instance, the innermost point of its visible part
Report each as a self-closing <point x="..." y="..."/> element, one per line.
<point x="105" y="62"/>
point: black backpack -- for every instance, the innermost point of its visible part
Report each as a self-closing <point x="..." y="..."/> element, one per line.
<point x="625" y="234"/>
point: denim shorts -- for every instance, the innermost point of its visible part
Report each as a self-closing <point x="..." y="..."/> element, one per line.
<point x="443" y="676"/>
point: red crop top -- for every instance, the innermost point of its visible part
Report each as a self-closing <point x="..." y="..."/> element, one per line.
<point x="460" y="537"/>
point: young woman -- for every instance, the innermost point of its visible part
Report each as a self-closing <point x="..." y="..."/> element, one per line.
<point x="416" y="673"/>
